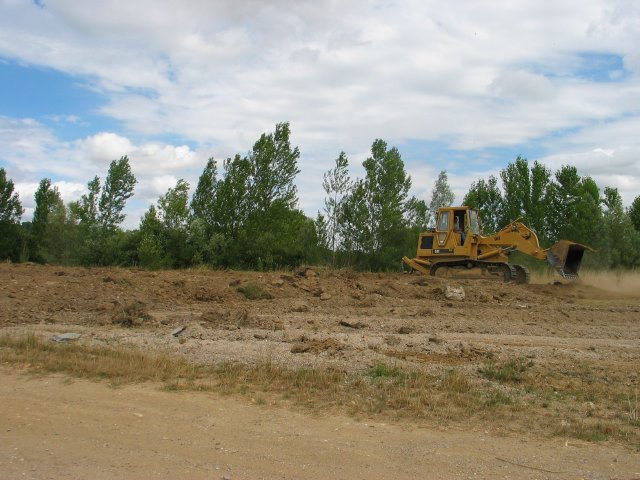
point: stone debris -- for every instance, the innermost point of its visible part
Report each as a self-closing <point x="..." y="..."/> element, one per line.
<point x="454" y="293"/>
<point x="178" y="331"/>
<point x="65" y="337"/>
<point x="300" y="307"/>
<point x="356" y="325"/>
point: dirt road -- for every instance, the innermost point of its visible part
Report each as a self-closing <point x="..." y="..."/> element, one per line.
<point x="56" y="428"/>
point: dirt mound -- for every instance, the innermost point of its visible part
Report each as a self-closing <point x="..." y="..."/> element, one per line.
<point x="317" y="346"/>
<point x="132" y="314"/>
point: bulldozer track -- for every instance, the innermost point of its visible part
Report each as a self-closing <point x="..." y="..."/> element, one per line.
<point x="522" y="274"/>
<point x="515" y="273"/>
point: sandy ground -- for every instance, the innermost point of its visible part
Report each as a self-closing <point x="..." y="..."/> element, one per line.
<point x="56" y="428"/>
<point x="53" y="427"/>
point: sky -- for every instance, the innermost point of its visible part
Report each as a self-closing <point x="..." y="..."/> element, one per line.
<point x="461" y="86"/>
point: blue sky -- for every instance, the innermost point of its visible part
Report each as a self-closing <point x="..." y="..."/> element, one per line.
<point x="461" y="86"/>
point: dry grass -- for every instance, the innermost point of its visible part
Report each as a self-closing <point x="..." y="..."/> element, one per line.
<point x="254" y="291"/>
<point x="507" y="394"/>
<point x="116" y="365"/>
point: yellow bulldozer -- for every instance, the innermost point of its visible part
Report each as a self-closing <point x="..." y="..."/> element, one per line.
<point x="456" y="247"/>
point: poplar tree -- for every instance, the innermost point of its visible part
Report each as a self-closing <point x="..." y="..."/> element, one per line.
<point x="441" y="196"/>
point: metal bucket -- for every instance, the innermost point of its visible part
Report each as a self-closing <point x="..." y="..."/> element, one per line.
<point x="566" y="257"/>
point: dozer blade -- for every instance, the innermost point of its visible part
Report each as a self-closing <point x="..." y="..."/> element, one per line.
<point x="412" y="263"/>
<point x="566" y="257"/>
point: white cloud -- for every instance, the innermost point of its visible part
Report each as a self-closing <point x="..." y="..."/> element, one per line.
<point x="522" y="86"/>
<point x="471" y="75"/>
<point x="31" y="152"/>
<point x="619" y="168"/>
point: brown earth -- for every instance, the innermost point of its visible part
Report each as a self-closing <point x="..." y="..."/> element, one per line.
<point x="572" y="336"/>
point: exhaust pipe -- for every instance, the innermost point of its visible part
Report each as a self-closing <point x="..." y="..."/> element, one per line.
<point x="566" y="257"/>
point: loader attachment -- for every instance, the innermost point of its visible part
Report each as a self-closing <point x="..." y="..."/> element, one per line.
<point x="566" y="257"/>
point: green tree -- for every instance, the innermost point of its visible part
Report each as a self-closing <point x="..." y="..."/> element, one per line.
<point x="386" y="186"/>
<point x="634" y="213"/>
<point x="174" y="206"/>
<point x="527" y="195"/>
<point x="10" y="213"/>
<point x="417" y="214"/>
<point x="48" y="200"/>
<point x="354" y="221"/>
<point x="274" y="166"/>
<point x="322" y="232"/>
<point x="118" y="188"/>
<point x="87" y="208"/>
<point x="620" y="233"/>
<point x="539" y="200"/>
<point x="268" y="219"/>
<point x="173" y="211"/>
<point x="575" y="209"/>
<point x="336" y="184"/>
<point x="516" y="186"/>
<point x="203" y="201"/>
<point x="441" y="196"/>
<point x="98" y="215"/>
<point x="10" y="206"/>
<point x="486" y="197"/>
<point x="232" y="204"/>
<point x="61" y="239"/>
<point x="151" y="249"/>
<point x="249" y="215"/>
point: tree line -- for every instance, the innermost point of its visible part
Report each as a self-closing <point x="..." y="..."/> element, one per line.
<point x="244" y="214"/>
<point x="561" y="205"/>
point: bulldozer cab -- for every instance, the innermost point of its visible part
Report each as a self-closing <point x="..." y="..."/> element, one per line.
<point x="456" y="224"/>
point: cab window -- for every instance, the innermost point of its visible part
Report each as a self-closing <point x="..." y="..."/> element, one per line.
<point x="474" y="223"/>
<point x="443" y="221"/>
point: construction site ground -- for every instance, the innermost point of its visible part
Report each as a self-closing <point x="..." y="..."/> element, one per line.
<point x="569" y="408"/>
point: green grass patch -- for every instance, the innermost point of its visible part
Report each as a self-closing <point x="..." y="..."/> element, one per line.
<point x="254" y="291"/>
<point x="508" y="371"/>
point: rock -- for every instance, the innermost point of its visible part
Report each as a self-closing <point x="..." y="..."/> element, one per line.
<point x="404" y="330"/>
<point x="65" y="337"/>
<point x="392" y="340"/>
<point x="259" y="336"/>
<point x="300" y="307"/>
<point x="307" y="272"/>
<point x="356" y="325"/>
<point x="435" y="339"/>
<point x="300" y="348"/>
<point x="278" y="282"/>
<point x="454" y="293"/>
<point x="325" y="296"/>
<point x="178" y="331"/>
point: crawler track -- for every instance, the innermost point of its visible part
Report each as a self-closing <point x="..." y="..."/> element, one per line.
<point x="504" y="271"/>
